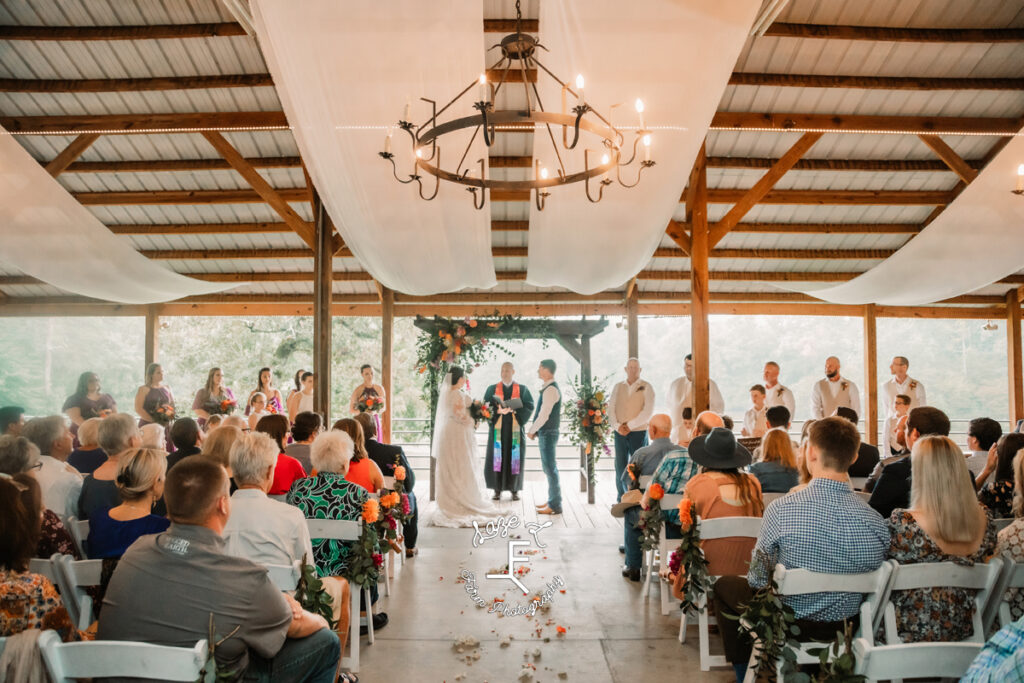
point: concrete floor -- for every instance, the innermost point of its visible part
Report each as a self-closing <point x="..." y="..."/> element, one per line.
<point x="612" y="634"/>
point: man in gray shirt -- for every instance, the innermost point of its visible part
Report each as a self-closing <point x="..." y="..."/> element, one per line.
<point x="649" y="457"/>
<point x="167" y="586"/>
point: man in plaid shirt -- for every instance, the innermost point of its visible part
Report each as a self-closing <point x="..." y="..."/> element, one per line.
<point x="1002" y="658"/>
<point x="824" y="528"/>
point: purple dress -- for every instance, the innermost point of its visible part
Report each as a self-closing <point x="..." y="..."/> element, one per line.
<point x="211" y="404"/>
<point x="370" y="391"/>
<point x="158" y="396"/>
<point x="88" y="408"/>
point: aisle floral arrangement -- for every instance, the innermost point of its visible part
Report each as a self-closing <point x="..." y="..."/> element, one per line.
<point x="689" y="559"/>
<point x="587" y="421"/>
<point x="651" y="522"/>
<point x="364" y="558"/>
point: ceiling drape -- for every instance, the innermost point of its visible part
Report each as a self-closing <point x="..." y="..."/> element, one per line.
<point x="344" y="72"/>
<point x="48" y="235"/>
<point x="677" y="56"/>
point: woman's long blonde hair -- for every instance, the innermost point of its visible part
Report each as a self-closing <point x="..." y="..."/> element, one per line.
<point x="776" y="447"/>
<point x="1018" y="486"/>
<point x="941" y="487"/>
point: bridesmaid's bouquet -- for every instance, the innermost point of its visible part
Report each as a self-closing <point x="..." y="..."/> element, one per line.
<point x="369" y="404"/>
<point x="222" y="407"/>
<point x="163" y="414"/>
<point x="478" y="410"/>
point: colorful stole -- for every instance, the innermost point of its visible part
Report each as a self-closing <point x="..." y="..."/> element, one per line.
<point x="516" y="448"/>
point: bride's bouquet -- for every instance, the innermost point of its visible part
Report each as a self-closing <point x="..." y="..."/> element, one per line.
<point x="478" y="410"/>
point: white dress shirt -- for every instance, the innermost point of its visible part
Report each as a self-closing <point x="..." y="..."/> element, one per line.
<point x="889" y="435"/>
<point x="910" y="387"/>
<point x="679" y="396"/>
<point x="780" y="395"/>
<point x="266" y="531"/>
<point x="61" y="485"/>
<point x="754" y="422"/>
<point x="550" y="394"/>
<point x="828" y="395"/>
<point x="621" y="393"/>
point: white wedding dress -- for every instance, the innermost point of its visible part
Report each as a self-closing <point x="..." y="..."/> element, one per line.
<point x="459" y="474"/>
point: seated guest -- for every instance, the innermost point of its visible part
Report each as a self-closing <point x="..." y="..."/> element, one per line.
<point x="723" y="490"/>
<point x="674" y="471"/>
<point x="187" y="439"/>
<point x="19" y="455"/>
<point x="117" y="434"/>
<point x="387" y="458"/>
<point x="218" y="446"/>
<point x="777" y="472"/>
<point x="328" y="495"/>
<point x="361" y="469"/>
<point x="140" y="483"/>
<point x="777" y="417"/>
<point x="982" y="435"/>
<point x="825" y="528"/>
<point x="212" y="423"/>
<point x="892" y="442"/>
<point x="1011" y="538"/>
<point x="893" y="487"/>
<point x="153" y="435"/>
<point x="945" y="523"/>
<point x="287" y="470"/>
<point x="997" y="495"/>
<point x="170" y="587"/>
<point x="257" y="408"/>
<point x="687" y="426"/>
<point x="237" y="421"/>
<point x="27" y="600"/>
<point x="307" y="427"/>
<point x="1002" y="658"/>
<point x="647" y="458"/>
<point x="754" y="421"/>
<point x="12" y="419"/>
<point x="728" y="423"/>
<point x="88" y="456"/>
<point x="867" y="455"/>
<point x="60" y="483"/>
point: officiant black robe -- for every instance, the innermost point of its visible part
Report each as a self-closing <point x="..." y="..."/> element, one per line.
<point x="505" y="480"/>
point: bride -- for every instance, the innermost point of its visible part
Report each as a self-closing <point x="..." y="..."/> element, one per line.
<point x="460" y="500"/>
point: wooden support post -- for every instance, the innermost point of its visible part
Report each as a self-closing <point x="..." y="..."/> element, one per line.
<point x="1013" y="351"/>
<point x="870" y="376"/>
<point x="387" y="314"/>
<point x="632" y="303"/>
<point x="699" y="250"/>
<point x="587" y="472"/>
<point x="70" y="153"/>
<point x="323" y="290"/>
<point x="152" y="334"/>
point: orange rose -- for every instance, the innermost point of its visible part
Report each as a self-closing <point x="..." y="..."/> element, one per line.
<point x="371" y="511"/>
<point x="685" y="507"/>
<point x="472" y="323"/>
<point x="655" y="492"/>
<point x="597" y="420"/>
<point x="390" y="500"/>
<point x="399" y="473"/>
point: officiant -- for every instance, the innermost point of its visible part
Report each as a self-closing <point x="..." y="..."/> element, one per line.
<point x="512" y="406"/>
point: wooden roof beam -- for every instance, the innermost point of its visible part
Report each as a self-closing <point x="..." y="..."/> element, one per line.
<point x="953" y="160"/>
<point x="860" y="123"/>
<point x="841" y="164"/>
<point x="290" y="194"/>
<point x="91" y="85"/>
<point x="873" y="82"/>
<point x="867" y="197"/>
<point x="157" y="165"/>
<point x="114" y="124"/>
<point x="896" y="34"/>
<point x="67" y="156"/>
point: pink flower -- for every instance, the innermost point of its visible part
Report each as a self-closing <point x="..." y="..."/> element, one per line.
<point x="378" y="560"/>
<point x="406" y="507"/>
<point x="392" y="524"/>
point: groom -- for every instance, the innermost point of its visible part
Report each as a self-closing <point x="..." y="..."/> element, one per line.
<point x="545" y="428"/>
<point x="503" y="465"/>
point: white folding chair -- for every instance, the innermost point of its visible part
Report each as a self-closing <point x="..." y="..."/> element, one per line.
<point x="285" y="576"/>
<point x="3" y="644"/>
<point x="645" y="481"/>
<point x="1003" y="522"/>
<point x="913" y="660"/>
<point x="997" y="611"/>
<point x="981" y="578"/>
<point x="79" y="529"/>
<point x="654" y="557"/>
<point x="342" y="530"/>
<point x="68" y="662"/>
<point x="72" y="578"/>
<point x="44" y="568"/>
<point x="874" y="586"/>
<point x="858" y="483"/>
<point x="721" y="527"/>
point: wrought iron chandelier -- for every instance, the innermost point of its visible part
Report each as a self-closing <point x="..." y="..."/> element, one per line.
<point x="519" y="55"/>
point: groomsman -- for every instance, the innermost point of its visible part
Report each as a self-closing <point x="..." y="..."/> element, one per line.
<point x="775" y="393"/>
<point x="833" y="392"/>
<point x="629" y="409"/>
<point x="506" y="439"/>
<point x="902" y="383"/>
<point x="546" y="420"/>
<point x="680" y="395"/>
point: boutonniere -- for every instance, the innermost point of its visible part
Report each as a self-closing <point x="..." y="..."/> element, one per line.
<point x="913" y="384"/>
<point x="640" y="388"/>
<point x="843" y="385"/>
<point x="778" y="392"/>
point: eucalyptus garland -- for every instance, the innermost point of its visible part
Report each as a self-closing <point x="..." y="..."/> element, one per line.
<point x="689" y="558"/>
<point x="310" y="593"/>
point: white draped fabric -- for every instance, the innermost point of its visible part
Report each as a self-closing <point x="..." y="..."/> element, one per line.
<point x="677" y="56"/>
<point x="47" y="234"/>
<point x="344" y="71"/>
<point x="976" y="241"/>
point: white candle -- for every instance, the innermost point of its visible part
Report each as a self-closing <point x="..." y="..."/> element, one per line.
<point x="604" y="162"/>
<point x="1020" y="178"/>
<point x="387" y="142"/>
<point x="640" y="111"/>
<point x="484" y="94"/>
<point x="647" y="148"/>
<point x="579" y="89"/>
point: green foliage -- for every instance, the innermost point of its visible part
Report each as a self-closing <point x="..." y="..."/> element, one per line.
<point x="310" y="593"/>
<point x="836" y="667"/>
<point x="649" y="524"/>
<point x="689" y="557"/>
<point x="586" y="420"/>
<point x="362" y="567"/>
<point x="211" y="673"/>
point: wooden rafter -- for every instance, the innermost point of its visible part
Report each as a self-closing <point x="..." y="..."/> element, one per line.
<point x="132" y="123"/>
<point x="761" y="188"/>
<point x="855" y="123"/>
<point x="678" y="232"/>
<point x="829" y="228"/>
<point x="83" y="85"/>
<point x="888" y="165"/>
<point x="74" y="150"/>
<point x="868" y="197"/>
<point x="154" y="32"/>
<point x="874" y="82"/>
<point x="896" y="35"/>
<point x="289" y="194"/>
<point x="197" y="228"/>
<point x="953" y="160"/>
<point x="156" y="165"/>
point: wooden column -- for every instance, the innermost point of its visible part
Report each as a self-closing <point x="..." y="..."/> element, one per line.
<point x="1013" y="351"/>
<point x="870" y="376"/>
<point x="587" y="473"/>
<point x="152" y="334"/>
<point x="323" y="289"/>
<point x="632" y="302"/>
<point x="699" y="250"/>
<point x="387" y="314"/>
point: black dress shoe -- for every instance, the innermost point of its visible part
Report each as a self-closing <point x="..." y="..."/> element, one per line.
<point x="515" y="495"/>
<point x="622" y="549"/>
<point x="379" y="622"/>
<point x="631" y="574"/>
<point x="496" y="496"/>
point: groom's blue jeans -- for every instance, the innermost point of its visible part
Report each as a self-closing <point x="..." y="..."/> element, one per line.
<point x="625" y="446"/>
<point x="546" y="442"/>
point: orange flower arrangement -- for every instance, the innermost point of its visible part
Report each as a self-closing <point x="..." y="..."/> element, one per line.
<point x="390" y="500"/>
<point x="685" y="516"/>
<point x="655" y="492"/>
<point x="371" y="511"/>
<point x="399" y="473"/>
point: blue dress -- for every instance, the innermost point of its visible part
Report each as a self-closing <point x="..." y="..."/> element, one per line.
<point x="110" y="538"/>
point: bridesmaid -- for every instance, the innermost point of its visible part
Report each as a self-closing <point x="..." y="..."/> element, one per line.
<point x="366" y="389"/>
<point x="208" y="399"/>
<point x="87" y="402"/>
<point x="301" y="401"/>
<point x="150" y="396"/>
<point x="265" y="386"/>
